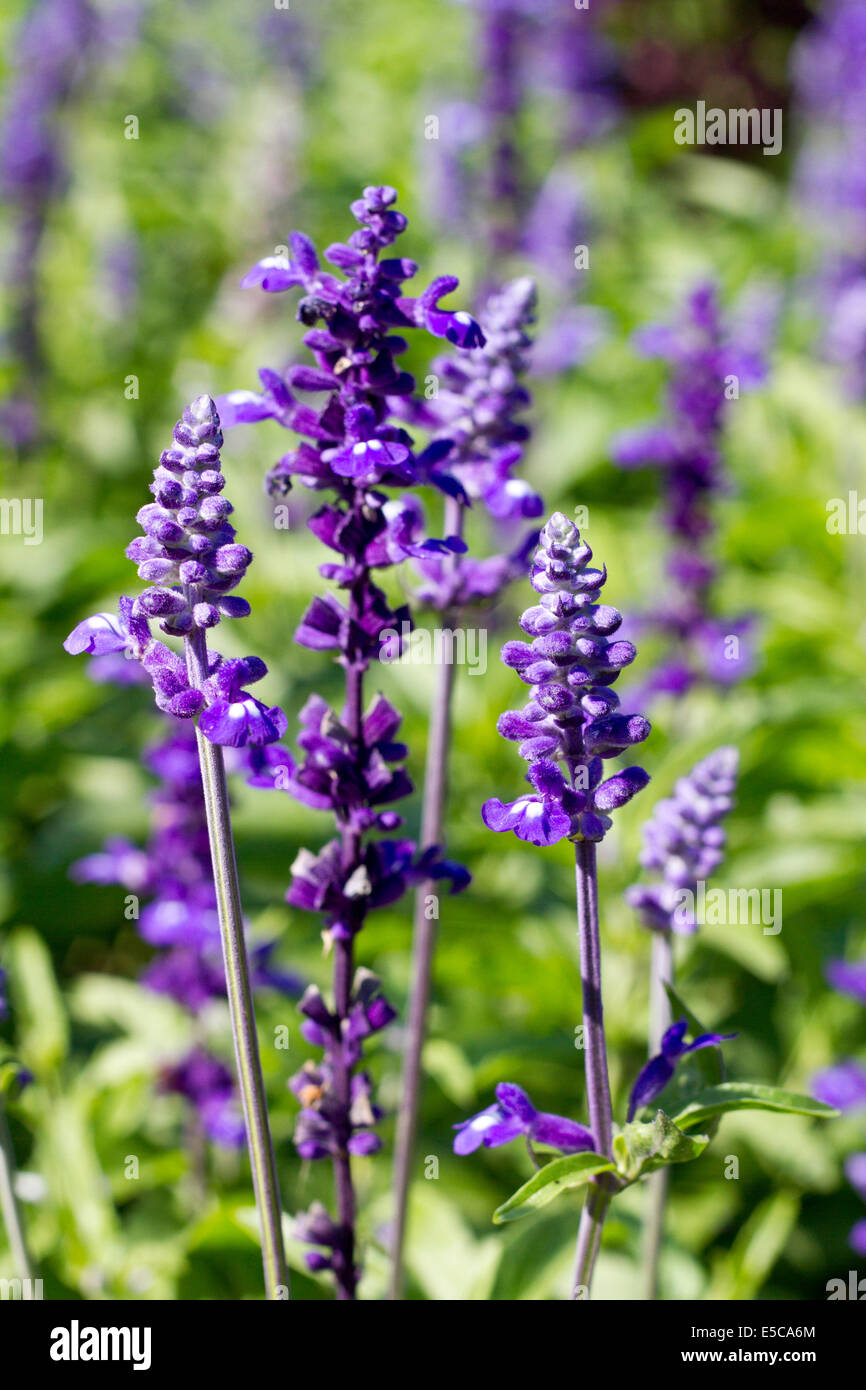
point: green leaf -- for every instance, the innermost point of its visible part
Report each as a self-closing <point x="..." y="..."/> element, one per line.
<point x="742" y="1272"/>
<point x="9" y="1074"/>
<point x="641" y="1148"/>
<point x="559" y="1176"/>
<point x="43" y="1029"/>
<point x="748" y="1095"/>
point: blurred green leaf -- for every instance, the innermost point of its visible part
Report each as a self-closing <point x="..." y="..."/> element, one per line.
<point x="43" y="1030"/>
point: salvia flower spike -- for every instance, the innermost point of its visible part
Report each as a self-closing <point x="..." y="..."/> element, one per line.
<point x="189" y="555"/>
<point x="570" y="725"/>
<point x="350" y="763"/>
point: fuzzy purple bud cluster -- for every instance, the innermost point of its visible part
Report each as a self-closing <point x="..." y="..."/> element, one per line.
<point x="686" y="448"/>
<point x="572" y="722"/>
<point x="684" y="842"/>
<point x="189" y="555"/>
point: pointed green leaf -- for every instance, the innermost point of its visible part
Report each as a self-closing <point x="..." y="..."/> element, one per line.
<point x="641" y="1148"/>
<point x="559" y="1176"/>
<point x="43" y="1028"/>
<point x="748" y="1095"/>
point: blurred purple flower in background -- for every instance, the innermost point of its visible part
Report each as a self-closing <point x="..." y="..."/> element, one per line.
<point x="710" y="361"/>
<point x="844" y="1085"/>
<point x="173" y="872"/>
<point x="684" y="842"/>
<point x="49" y="59"/>
<point x="829" y="76"/>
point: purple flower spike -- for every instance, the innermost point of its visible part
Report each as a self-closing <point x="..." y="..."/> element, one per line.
<point x="684" y="842"/>
<point x="349" y="760"/>
<point x="686" y="450"/>
<point x="189" y="552"/>
<point x="570" y="724"/>
<point x="477" y="447"/>
<point x="660" y="1069"/>
<point x="514" y="1115"/>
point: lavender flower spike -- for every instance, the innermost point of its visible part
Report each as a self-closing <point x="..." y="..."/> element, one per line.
<point x="566" y="731"/>
<point x="189" y="553"/>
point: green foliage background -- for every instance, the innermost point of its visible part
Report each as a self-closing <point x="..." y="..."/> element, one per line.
<point x="236" y="145"/>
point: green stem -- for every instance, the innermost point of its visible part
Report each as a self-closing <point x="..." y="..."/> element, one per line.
<point x="12" y="1218"/>
<point x="661" y="973"/>
<point x="240" y="998"/>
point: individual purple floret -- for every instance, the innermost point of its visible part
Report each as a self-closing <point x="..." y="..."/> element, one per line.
<point x="707" y="364"/>
<point x="844" y="1086"/>
<point x="684" y="842"/>
<point x="514" y="1115"/>
<point x="572" y="722"/>
<point x="4" y="1001"/>
<point x="190" y="557"/>
<point x="660" y="1069"/>
<point x="348" y="761"/>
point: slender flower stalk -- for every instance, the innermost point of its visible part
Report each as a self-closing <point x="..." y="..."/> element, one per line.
<point x="566" y="731"/>
<point x="597" y="1080"/>
<point x="477" y="410"/>
<point x="189" y="553"/>
<point x="684" y="842"/>
<point x="10" y="1209"/>
<point x="351" y="448"/>
<point x="237" y="972"/>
